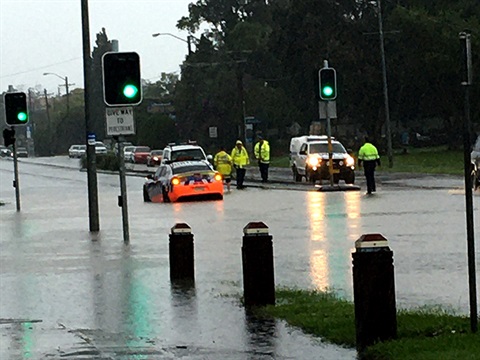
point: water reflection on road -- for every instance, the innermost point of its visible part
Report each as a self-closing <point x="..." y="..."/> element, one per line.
<point x="334" y="227"/>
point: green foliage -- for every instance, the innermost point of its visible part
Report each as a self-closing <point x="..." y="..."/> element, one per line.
<point x="108" y="162"/>
<point x="280" y="45"/>
<point x="261" y="59"/>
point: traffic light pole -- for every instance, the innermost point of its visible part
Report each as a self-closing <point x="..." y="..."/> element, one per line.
<point x="16" y="182"/>
<point x="330" y="148"/>
<point x="123" y="191"/>
<point x="91" y="157"/>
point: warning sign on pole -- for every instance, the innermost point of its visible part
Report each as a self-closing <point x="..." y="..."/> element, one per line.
<point x="119" y="121"/>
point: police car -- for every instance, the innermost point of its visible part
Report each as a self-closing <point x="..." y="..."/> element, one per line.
<point x="183" y="180"/>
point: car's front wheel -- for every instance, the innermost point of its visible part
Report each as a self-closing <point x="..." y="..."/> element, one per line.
<point x="166" y="199"/>
<point x="146" y="197"/>
<point x="310" y="176"/>
<point x="296" y="176"/>
<point x="350" y="178"/>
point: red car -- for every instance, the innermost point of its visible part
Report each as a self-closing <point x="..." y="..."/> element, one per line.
<point x="140" y="154"/>
<point x="154" y="158"/>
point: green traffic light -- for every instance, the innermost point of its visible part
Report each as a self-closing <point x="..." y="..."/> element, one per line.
<point x="22" y="116"/>
<point x="130" y="91"/>
<point x="327" y="91"/>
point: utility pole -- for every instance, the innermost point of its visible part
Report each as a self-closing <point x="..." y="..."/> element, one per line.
<point x="68" y="94"/>
<point x="385" y="87"/>
<point x="49" y="127"/>
<point x="91" y="157"/>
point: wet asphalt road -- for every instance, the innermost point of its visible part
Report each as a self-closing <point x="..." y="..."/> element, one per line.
<point x="67" y="293"/>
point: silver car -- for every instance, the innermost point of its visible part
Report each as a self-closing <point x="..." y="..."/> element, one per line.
<point x="100" y="148"/>
<point x="4" y="151"/>
<point x="128" y="153"/>
<point x="76" y="151"/>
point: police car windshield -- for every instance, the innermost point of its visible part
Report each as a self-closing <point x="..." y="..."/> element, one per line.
<point x="186" y="167"/>
<point x="323" y="148"/>
<point x="190" y="154"/>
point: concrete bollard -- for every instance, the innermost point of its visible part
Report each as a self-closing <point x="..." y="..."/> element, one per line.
<point x="373" y="291"/>
<point x="181" y="253"/>
<point x="258" y="270"/>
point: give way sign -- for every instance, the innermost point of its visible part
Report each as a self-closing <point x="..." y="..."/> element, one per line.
<point x="119" y="121"/>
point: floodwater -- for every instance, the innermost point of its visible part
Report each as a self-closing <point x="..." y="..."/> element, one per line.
<point x="69" y="293"/>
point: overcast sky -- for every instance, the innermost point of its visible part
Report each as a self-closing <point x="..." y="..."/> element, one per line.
<point x="39" y="36"/>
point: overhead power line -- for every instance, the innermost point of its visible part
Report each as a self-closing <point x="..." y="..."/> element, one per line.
<point x="39" y="68"/>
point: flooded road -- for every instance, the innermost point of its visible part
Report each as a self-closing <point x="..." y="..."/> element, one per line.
<point x="67" y="293"/>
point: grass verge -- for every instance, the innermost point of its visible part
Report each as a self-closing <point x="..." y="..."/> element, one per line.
<point x="423" y="334"/>
<point x="431" y="160"/>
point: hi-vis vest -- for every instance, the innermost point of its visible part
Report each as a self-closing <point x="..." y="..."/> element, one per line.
<point x="240" y="157"/>
<point x="368" y="152"/>
<point x="262" y="152"/>
<point x="223" y="163"/>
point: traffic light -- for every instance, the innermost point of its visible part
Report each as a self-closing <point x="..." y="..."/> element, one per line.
<point x="122" y="85"/>
<point x="16" y="112"/>
<point x="8" y="137"/>
<point x="328" y="84"/>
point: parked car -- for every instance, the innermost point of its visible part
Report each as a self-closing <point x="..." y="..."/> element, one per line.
<point x="125" y="144"/>
<point x="309" y="157"/>
<point x="154" y="158"/>
<point x="21" y="152"/>
<point x="183" y="180"/>
<point x="127" y="153"/>
<point x="100" y="148"/>
<point x="4" y="151"/>
<point x="139" y="154"/>
<point x="77" y="151"/>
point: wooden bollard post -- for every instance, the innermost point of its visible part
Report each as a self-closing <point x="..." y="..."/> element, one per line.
<point x="374" y="291"/>
<point x="181" y="253"/>
<point x="258" y="269"/>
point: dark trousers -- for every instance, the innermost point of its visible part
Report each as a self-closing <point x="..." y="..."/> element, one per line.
<point x="240" y="177"/>
<point x="369" y="171"/>
<point x="263" y="171"/>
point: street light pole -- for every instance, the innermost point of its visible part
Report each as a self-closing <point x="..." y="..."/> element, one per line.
<point x="188" y="41"/>
<point x="66" y="88"/>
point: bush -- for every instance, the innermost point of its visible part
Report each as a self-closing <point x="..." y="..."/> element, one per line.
<point x="104" y="162"/>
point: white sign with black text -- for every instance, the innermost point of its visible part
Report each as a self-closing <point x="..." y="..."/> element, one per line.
<point x="120" y="121"/>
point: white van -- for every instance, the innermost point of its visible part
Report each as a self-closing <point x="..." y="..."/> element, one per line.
<point x="309" y="157"/>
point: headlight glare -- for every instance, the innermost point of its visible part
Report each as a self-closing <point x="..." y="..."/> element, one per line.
<point x="350" y="161"/>
<point x="313" y="161"/>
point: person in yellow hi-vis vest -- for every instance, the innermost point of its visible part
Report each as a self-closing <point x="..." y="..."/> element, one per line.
<point x="368" y="155"/>
<point x="262" y="154"/>
<point x="223" y="164"/>
<point x="240" y="160"/>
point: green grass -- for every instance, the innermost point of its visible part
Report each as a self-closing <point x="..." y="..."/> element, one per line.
<point x="434" y="160"/>
<point x="423" y="334"/>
